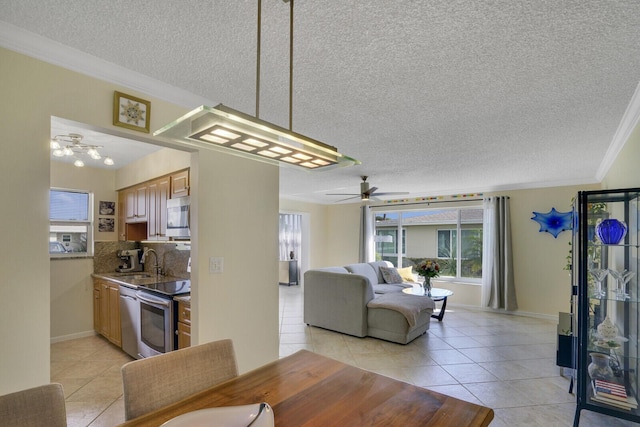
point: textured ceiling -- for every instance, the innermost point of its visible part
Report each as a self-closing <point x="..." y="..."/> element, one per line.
<point x="433" y="97"/>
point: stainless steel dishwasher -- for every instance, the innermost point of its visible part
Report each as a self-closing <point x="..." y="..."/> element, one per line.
<point x="130" y="320"/>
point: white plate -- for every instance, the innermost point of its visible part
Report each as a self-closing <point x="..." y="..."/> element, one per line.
<point x="258" y="415"/>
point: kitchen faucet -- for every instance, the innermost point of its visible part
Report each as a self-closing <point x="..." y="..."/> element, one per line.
<point x="156" y="267"/>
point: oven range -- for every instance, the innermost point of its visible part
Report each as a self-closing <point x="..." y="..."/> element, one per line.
<point x="158" y="316"/>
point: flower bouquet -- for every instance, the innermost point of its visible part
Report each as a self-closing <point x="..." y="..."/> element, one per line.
<point x="428" y="269"/>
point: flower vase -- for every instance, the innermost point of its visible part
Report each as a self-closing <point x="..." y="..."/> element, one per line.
<point x="611" y="231"/>
<point x="599" y="368"/>
<point x="427" y="286"/>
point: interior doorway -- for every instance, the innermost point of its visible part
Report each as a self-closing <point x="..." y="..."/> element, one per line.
<point x="293" y="244"/>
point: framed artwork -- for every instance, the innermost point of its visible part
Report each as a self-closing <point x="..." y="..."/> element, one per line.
<point x="106" y="225"/>
<point x="131" y="112"/>
<point x="107" y="208"/>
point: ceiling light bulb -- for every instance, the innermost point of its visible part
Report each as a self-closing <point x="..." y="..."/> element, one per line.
<point x="108" y="161"/>
<point x="94" y="153"/>
<point x="55" y="145"/>
<point x="79" y="163"/>
<point x="58" y="153"/>
<point x="67" y="151"/>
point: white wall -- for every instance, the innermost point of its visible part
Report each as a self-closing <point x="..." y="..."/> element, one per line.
<point x="32" y="92"/>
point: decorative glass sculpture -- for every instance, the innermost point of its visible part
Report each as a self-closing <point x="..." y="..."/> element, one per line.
<point x="553" y="222"/>
<point x="611" y="231"/>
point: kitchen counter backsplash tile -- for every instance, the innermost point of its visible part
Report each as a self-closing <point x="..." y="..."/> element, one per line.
<point x="173" y="261"/>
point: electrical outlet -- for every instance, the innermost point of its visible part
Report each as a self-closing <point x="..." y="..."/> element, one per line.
<point x="216" y="265"/>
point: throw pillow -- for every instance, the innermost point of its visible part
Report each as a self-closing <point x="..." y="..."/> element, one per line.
<point x="406" y="274"/>
<point x="390" y="275"/>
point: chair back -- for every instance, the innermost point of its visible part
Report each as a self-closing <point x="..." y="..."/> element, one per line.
<point x="41" y="406"/>
<point x="158" y="381"/>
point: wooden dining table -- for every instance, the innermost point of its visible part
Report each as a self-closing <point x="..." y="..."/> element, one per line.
<point x="307" y="389"/>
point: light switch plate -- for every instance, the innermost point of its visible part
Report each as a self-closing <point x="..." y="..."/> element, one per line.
<point x="216" y="265"/>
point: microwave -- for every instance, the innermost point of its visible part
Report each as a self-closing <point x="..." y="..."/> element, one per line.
<point x="178" y="217"/>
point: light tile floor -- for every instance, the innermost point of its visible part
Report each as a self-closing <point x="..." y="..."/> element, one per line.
<point x="497" y="360"/>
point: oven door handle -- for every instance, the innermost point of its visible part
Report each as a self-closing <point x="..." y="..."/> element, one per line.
<point x="144" y="297"/>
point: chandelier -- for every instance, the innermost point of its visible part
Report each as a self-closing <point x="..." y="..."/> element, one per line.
<point x="225" y="129"/>
<point x="71" y="145"/>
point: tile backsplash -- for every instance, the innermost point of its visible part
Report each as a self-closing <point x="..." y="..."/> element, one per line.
<point x="173" y="261"/>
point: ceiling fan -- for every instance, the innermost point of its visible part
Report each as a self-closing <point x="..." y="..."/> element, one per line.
<point x="366" y="192"/>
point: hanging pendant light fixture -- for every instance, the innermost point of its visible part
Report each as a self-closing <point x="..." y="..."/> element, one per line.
<point x="73" y="146"/>
<point x="223" y="128"/>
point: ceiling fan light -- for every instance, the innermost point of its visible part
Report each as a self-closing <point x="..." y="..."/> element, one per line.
<point x="67" y="151"/>
<point x="78" y="163"/>
<point x="55" y="145"/>
<point x="108" y="161"/>
<point x="58" y="153"/>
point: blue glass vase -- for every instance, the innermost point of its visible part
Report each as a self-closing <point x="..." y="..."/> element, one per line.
<point x="611" y="231"/>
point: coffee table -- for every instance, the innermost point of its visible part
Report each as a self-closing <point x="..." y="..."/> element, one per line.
<point x="437" y="294"/>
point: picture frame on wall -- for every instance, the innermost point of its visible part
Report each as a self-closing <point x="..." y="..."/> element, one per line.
<point x="106" y="225"/>
<point x="131" y="112"/>
<point x="107" y="208"/>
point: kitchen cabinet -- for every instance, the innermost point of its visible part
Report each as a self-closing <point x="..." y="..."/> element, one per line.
<point x="158" y="194"/>
<point x="106" y="300"/>
<point x="122" y="230"/>
<point x="180" y="184"/>
<point x="142" y="211"/>
<point x="136" y="202"/>
<point x="184" y="323"/>
<point x="605" y="268"/>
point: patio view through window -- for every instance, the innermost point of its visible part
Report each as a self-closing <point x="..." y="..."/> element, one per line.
<point x="452" y="237"/>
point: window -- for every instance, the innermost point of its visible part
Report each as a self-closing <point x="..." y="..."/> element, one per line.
<point x="70" y="222"/>
<point x="452" y="236"/>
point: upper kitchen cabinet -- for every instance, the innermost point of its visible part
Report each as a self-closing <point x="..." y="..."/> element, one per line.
<point x="180" y="184"/>
<point x="142" y="211"/>
<point x="158" y="194"/>
<point x="136" y="202"/>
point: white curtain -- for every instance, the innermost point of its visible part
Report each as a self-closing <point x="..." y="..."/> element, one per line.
<point x="367" y="231"/>
<point x="290" y="236"/>
<point x="498" y="288"/>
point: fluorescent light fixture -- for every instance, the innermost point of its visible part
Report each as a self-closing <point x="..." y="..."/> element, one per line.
<point x="225" y="129"/>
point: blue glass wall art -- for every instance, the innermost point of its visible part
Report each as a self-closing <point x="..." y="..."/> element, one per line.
<point x="554" y="222"/>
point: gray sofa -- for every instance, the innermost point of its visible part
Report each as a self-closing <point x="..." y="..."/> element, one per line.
<point x="356" y="300"/>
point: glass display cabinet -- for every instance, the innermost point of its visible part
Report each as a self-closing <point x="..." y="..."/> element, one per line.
<point x="605" y="279"/>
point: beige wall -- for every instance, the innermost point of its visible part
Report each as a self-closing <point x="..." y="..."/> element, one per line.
<point x="32" y="92"/>
<point x="71" y="285"/>
<point x="162" y="162"/>
<point x="625" y="171"/>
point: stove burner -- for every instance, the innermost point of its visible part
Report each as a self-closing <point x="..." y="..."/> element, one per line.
<point x="178" y="287"/>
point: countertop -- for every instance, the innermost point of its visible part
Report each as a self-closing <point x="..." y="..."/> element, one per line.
<point x="135" y="279"/>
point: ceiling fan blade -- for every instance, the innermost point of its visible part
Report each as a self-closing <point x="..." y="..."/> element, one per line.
<point x="342" y="194"/>
<point x="348" y="198"/>
<point x="370" y="191"/>
<point x="392" y="193"/>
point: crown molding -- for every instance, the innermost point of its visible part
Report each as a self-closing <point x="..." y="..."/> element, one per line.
<point x="627" y="124"/>
<point x="33" y="45"/>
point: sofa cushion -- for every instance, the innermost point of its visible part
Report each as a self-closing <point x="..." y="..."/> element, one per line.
<point x="376" y="267"/>
<point x="383" y="288"/>
<point x="363" y="270"/>
<point x="407" y="274"/>
<point x="390" y="275"/>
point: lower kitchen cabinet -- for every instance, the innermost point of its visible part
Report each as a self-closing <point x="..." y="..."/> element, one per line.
<point x="184" y="323"/>
<point x="106" y="301"/>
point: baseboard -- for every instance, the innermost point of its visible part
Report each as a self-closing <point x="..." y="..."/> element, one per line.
<point x="551" y="317"/>
<point x="72" y="336"/>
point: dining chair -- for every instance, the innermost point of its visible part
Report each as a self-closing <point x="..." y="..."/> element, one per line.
<point x="157" y="381"/>
<point x="34" y="407"/>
